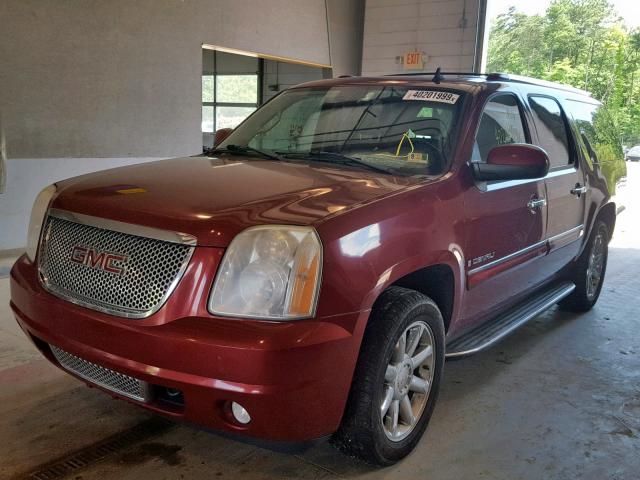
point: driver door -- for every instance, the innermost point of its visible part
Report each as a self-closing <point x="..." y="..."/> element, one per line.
<point x="505" y="220"/>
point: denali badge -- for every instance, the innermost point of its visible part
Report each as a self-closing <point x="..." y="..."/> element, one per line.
<point x="481" y="259"/>
<point x="99" y="260"/>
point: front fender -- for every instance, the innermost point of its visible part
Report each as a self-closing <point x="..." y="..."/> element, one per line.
<point x="369" y="249"/>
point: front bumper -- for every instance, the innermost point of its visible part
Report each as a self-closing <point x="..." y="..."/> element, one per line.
<point x="292" y="377"/>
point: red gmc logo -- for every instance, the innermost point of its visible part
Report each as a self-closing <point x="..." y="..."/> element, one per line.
<point x="99" y="260"/>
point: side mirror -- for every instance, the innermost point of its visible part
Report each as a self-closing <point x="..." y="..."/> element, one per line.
<point x="517" y="161"/>
<point x="220" y="135"/>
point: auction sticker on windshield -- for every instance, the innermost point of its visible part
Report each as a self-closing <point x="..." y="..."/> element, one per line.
<point x="431" y="96"/>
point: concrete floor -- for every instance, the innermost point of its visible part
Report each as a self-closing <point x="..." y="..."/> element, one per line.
<point x="559" y="399"/>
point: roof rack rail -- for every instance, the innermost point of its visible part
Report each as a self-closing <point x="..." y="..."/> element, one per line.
<point x="438" y="76"/>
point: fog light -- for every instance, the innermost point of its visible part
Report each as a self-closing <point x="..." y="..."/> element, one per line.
<point x="240" y="414"/>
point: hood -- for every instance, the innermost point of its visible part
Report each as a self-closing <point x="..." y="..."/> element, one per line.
<point x="214" y="199"/>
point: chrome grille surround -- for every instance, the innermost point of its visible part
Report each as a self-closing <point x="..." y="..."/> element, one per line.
<point x="104" y="377"/>
<point x="153" y="267"/>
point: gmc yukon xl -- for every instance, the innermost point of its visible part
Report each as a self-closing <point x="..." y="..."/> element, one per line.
<point x="309" y="275"/>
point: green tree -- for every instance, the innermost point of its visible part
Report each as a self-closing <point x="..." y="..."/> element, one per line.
<point x="578" y="42"/>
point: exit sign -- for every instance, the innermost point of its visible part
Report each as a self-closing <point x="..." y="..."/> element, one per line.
<point x="413" y="61"/>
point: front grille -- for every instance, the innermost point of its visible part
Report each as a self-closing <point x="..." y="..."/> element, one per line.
<point x="104" y="377"/>
<point x="134" y="287"/>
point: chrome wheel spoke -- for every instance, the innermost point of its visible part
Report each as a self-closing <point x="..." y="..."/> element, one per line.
<point x="406" y="411"/>
<point x="386" y="401"/>
<point x="414" y="340"/>
<point x="420" y="357"/>
<point x="394" y="412"/>
<point x="390" y="374"/>
<point x="419" y="385"/>
<point x="401" y="346"/>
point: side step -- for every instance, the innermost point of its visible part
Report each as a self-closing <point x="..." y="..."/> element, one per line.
<point x="488" y="333"/>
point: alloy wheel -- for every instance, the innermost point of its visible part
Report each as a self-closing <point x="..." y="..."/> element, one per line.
<point x="596" y="264"/>
<point x="407" y="381"/>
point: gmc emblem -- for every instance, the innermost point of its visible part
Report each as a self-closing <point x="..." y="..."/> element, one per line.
<point x="99" y="260"/>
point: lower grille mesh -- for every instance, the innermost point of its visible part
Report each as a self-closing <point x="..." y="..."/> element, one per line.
<point x="104" y="377"/>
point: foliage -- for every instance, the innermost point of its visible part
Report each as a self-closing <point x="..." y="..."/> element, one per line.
<point x="578" y="42"/>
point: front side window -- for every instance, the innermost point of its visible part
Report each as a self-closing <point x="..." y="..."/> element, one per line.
<point x="552" y="130"/>
<point x="398" y="130"/>
<point x="500" y="124"/>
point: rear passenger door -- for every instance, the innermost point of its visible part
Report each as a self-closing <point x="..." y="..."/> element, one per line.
<point x="566" y="188"/>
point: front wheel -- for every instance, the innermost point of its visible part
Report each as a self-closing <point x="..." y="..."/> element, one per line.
<point x="396" y="380"/>
<point x="588" y="271"/>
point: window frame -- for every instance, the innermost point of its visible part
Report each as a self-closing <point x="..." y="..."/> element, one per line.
<point x="571" y="147"/>
<point x="521" y="110"/>
<point x="489" y="186"/>
<point x="215" y="104"/>
<point x="585" y="147"/>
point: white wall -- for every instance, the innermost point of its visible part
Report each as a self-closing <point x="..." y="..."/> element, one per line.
<point x="444" y="30"/>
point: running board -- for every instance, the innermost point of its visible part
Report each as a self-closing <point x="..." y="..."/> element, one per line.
<point x="495" y="330"/>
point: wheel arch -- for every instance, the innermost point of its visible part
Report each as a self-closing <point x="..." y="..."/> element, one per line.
<point x="608" y="214"/>
<point x="436" y="282"/>
<point x="441" y="279"/>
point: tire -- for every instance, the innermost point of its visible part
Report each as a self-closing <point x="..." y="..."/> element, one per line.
<point x="587" y="292"/>
<point x="362" y="433"/>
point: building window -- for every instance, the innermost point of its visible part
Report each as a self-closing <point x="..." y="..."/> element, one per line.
<point x="230" y="89"/>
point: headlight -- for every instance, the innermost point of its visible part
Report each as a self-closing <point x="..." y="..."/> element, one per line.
<point x="270" y="272"/>
<point x="38" y="212"/>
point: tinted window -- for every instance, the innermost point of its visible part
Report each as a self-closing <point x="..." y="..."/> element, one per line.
<point x="501" y="124"/>
<point x="595" y="130"/>
<point x="552" y="130"/>
<point x="599" y="135"/>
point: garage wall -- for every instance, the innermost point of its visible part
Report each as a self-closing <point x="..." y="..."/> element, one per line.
<point x="120" y="79"/>
<point x="88" y="84"/>
<point x="27" y="176"/>
<point x="346" y="22"/>
<point x="286" y="75"/>
<point x="444" y="30"/>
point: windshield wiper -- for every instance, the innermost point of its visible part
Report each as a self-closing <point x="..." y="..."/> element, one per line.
<point x="334" y="157"/>
<point x="243" y="150"/>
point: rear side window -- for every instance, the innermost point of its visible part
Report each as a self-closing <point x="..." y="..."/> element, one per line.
<point x="599" y="135"/>
<point x="597" y="130"/>
<point x="501" y="124"/>
<point x="552" y="130"/>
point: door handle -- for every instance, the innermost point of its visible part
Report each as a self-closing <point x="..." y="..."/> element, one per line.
<point x="536" y="203"/>
<point x="579" y="190"/>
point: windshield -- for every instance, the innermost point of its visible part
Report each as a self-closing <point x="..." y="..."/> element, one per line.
<point x="397" y="130"/>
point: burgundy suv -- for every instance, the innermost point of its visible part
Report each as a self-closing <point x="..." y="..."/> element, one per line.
<point x="309" y="275"/>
